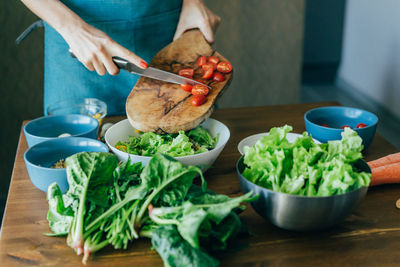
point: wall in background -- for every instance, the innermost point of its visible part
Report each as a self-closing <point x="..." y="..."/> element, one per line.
<point x="371" y="58"/>
<point x="264" y="40"/>
<point x="21" y="82"/>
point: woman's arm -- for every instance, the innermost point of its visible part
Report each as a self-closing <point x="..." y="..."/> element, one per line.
<point x="195" y="14"/>
<point x="91" y="46"/>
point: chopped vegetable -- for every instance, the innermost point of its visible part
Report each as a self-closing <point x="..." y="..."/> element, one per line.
<point x="386" y="174"/>
<point x="201" y="61"/>
<point x="325" y="125"/>
<point x="218" y="77"/>
<point x="199" y="89"/>
<point x="361" y="125"/>
<point x="303" y="167"/>
<point x="224" y="67"/>
<point x="213" y="60"/>
<point x="186" y="72"/>
<point x="345" y="126"/>
<point x="195" y="141"/>
<point x="198" y="100"/>
<point x="187" y="87"/>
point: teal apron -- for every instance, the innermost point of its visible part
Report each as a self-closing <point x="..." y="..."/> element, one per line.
<point x="142" y="26"/>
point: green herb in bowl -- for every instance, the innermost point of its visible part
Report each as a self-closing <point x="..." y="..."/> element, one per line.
<point x="195" y="141"/>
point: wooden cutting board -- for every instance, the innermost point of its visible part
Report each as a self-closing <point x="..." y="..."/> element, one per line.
<point x="156" y="106"/>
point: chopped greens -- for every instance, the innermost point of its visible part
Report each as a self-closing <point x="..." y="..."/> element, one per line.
<point x="304" y="167"/>
<point x="113" y="204"/>
<point x="195" y="141"/>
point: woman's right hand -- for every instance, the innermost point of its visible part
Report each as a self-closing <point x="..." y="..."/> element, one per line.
<point x="95" y="49"/>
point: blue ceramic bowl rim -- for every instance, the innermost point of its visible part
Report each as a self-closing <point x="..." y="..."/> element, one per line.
<point x="340" y="107"/>
<point x="241" y="159"/>
<point x="26" y="132"/>
<point x="55" y="141"/>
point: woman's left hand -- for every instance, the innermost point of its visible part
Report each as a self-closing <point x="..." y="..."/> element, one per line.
<point x="195" y="14"/>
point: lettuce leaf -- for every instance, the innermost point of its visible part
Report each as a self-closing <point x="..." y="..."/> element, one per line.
<point x="303" y="167"/>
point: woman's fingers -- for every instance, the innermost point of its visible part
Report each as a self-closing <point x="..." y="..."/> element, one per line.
<point x="98" y="65"/>
<point x="124" y="53"/>
<point x="109" y="64"/>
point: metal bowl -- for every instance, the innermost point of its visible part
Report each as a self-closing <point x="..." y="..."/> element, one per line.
<point x="302" y="213"/>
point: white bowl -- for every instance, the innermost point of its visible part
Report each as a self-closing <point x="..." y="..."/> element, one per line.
<point x="252" y="139"/>
<point x="122" y="130"/>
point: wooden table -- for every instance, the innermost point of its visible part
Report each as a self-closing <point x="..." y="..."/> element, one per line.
<point x="371" y="236"/>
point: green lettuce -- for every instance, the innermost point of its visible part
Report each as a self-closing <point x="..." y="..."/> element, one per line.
<point x="304" y="167"/>
<point x="195" y="141"/>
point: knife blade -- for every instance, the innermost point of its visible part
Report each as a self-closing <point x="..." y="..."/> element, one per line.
<point x="154" y="73"/>
<point x="151" y="72"/>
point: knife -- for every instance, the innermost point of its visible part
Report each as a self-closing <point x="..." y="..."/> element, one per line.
<point x="151" y="72"/>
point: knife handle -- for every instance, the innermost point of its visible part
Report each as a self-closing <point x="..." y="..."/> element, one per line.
<point x="120" y="62"/>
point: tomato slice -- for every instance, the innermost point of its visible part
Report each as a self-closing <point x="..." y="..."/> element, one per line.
<point x="344" y="126"/>
<point x="209" y="66"/>
<point x="188" y="73"/>
<point x="198" y="100"/>
<point x="208" y="73"/>
<point x="218" y="77"/>
<point x="224" y="67"/>
<point x="199" y="89"/>
<point x="325" y="125"/>
<point x="187" y="87"/>
<point x="361" y="125"/>
<point x="213" y="60"/>
<point x="201" y="61"/>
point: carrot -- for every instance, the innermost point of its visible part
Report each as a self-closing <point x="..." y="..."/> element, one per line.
<point x="387" y="174"/>
<point x="389" y="159"/>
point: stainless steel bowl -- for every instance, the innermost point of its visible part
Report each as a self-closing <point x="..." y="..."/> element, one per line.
<point x="302" y="213"/>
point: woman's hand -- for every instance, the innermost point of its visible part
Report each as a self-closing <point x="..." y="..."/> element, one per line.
<point x="95" y="49"/>
<point x="91" y="46"/>
<point x="195" y="14"/>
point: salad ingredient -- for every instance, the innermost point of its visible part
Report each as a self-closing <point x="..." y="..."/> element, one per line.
<point x="325" y="125"/>
<point x="121" y="210"/>
<point x="224" y="67"/>
<point x="361" y="125"/>
<point x="187" y="87"/>
<point x="188" y="73"/>
<point x="201" y="61"/>
<point x="59" y="164"/>
<point x="389" y="159"/>
<point x="64" y="135"/>
<point x="213" y="60"/>
<point x="386" y="174"/>
<point x="199" y="89"/>
<point x="208" y="73"/>
<point x="303" y="167"/>
<point x="345" y="126"/>
<point x="218" y="77"/>
<point x="198" y="100"/>
<point x="195" y="141"/>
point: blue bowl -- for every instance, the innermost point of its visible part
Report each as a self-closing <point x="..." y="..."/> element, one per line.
<point x="40" y="157"/>
<point x="337" y="117"/>
<point x="50" y="127"/>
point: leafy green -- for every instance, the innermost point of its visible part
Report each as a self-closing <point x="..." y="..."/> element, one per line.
<point x="175" y="251"/>
<point x="113" y="204"/>
<point x="304" y="167"/>
<point x="195" y="141"/>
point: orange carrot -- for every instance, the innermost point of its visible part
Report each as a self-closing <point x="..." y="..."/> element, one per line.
<point x="387" y="174"/>
<point x="389" y="159"/>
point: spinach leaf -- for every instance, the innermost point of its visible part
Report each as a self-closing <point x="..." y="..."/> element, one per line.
<point x="175" y="251"/>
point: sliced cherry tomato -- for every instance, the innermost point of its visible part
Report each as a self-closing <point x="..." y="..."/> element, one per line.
<point x="209" y="66"/>
<point x="208" y="73"/>
<point x="201" y="61"/>
<point x="224" y="67"/>
<point x="213" y="60"/>
<point x="218" y="77"/>
<point x="187" y="87"/>
<point x="198" y="100"/>
<point x="199" y="89"/>
<point x="325" y="125"/>
<point x="361" y="125"/>
<point x="344" y="126"/>
<point x="188" y="73"/>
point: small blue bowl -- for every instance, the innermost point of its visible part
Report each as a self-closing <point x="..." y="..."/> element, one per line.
<point x="40" y="157"/>
<point x="336" y="117"/>
<point x="50" y="127"/>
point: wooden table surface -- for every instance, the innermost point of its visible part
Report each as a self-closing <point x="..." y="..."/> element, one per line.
<point x="369" y="237"/>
